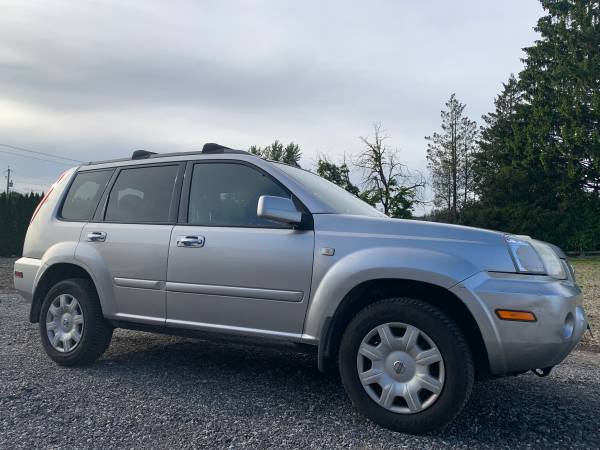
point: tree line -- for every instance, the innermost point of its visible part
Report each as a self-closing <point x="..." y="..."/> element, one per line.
<point x="15" y="212"/>
<point x="532" y="167"/>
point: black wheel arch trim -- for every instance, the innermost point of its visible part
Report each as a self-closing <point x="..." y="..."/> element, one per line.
<point x="49" y="278"/>
<point x="327" y="345"/>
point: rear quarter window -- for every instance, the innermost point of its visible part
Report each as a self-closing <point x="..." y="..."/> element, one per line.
<point x="84" y="194"/>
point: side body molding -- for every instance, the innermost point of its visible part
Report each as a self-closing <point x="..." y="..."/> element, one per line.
<point x="333" y="283"/>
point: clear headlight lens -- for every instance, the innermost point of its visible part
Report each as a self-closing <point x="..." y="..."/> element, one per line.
<point x="524" y="255"/>
<point x="553" y="264"/>
<point x="535" y="257"/>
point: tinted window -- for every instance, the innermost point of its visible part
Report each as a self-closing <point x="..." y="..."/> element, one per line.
<point x="227" y="195"/>
<point x="142" y="195"/>
<point x="84" y="194"/>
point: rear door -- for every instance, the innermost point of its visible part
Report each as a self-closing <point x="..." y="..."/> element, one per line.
<point x="126" y="246"/>
<point x="230" y="270"/>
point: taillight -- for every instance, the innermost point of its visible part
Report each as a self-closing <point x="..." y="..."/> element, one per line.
<point x="45" y="197"/>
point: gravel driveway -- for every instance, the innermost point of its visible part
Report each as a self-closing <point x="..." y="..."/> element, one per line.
<point x="152" y="391"/>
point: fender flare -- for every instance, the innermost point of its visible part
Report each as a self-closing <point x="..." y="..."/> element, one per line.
<point x="400" y="263"/>
<point x="61" y="253"/>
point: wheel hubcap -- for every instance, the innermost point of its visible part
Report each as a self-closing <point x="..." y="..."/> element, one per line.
<point x="64" y="323"/>
<point x="400" y="367"/>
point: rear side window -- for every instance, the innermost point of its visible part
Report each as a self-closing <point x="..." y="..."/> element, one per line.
<point x="84" y="194"/>
<point x="142" y="195"/>
<point x="224" y="194"/>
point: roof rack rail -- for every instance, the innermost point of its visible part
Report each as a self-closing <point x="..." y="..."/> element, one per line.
<point x="142" y="154"/>
<point x="208" y="149"/>
<point x="211" y="147"/>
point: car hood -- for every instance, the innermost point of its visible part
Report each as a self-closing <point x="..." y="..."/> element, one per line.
<point x="484" y="249"/>
<point x="378" y="226"/>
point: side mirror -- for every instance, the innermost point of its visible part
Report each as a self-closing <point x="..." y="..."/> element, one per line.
<point x="278" y="209"/>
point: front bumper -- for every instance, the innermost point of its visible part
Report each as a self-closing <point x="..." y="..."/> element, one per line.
<point x="518" y="346"/>
<point x="30" y="268"/>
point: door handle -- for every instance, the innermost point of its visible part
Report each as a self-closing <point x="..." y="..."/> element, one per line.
<point x="96" y="236"/>
<point x="190" y="241"/>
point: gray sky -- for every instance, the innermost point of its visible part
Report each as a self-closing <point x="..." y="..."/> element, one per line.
<point x="97" y="79"/>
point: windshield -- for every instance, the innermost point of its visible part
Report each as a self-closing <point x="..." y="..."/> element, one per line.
<point x="337" y="199"/>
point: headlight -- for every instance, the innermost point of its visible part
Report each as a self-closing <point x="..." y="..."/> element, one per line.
<point x="525" y="257"/>
<point x="553" y="264"/>
<point x="535" y="257"/>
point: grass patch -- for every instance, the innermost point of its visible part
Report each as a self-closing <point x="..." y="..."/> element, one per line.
<point x="587" y="273"/>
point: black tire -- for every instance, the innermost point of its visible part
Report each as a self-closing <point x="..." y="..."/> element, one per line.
<point x="458" y="362"/>
<point x="96" y="333"/>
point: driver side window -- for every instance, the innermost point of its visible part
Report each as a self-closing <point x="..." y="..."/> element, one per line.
<point x="226" y="194"/>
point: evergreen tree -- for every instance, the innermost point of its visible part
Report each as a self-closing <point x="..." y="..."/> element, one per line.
<point x="339" y="175"/>
<point x="256" y="150"/>
<point x="290" y="154"/>
<point x="274" y="151"/>
<point x="493" y="161"/>
<point x="15" y="212"/>
<point x="561" y="93"/>
<point x="450" y="156"/>
<point x="538" y="168"/>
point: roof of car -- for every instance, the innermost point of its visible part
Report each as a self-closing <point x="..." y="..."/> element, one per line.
<point x="208" y="149"/>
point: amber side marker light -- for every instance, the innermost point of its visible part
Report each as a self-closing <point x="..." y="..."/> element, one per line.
<point x="519" y="316"/>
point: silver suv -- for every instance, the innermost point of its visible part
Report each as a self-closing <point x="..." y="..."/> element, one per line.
<point x="221" y="241"/>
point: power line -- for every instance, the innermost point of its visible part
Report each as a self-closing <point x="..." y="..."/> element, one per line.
<point x="39" y="153"/>
<point x="34" y="157"/>
<point x="31" y="183"/>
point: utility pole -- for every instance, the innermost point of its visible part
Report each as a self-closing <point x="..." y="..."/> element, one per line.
<point x="8" y="182"/>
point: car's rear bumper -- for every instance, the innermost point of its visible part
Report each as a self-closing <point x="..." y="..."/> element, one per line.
<point x="25" y="284"/>
<point x="516" y="346"/>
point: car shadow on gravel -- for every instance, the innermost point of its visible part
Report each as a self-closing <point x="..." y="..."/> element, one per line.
<point x="248" y="380"/>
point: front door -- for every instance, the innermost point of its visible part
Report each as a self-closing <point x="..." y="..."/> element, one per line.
<point x="127" y="246"/>
<point x="230" y="270"/>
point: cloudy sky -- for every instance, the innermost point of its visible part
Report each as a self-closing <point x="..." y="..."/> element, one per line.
<point x="93" y="80"/>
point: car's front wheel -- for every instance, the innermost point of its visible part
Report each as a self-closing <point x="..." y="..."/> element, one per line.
<point x="72" y="327"/>
<point x="406" y="365"/>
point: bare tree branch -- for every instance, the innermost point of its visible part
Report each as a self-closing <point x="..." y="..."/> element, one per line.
<point x="387" y="182"/>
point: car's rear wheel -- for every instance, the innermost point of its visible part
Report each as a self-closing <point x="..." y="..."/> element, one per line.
<point x="406" y="365"/>
<point x="72" y="327"/>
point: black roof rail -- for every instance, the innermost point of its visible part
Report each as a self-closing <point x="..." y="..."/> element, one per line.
<point x="208" y="149"/>
<point x="142" y="154"/>
<point x="211" y="147"/>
